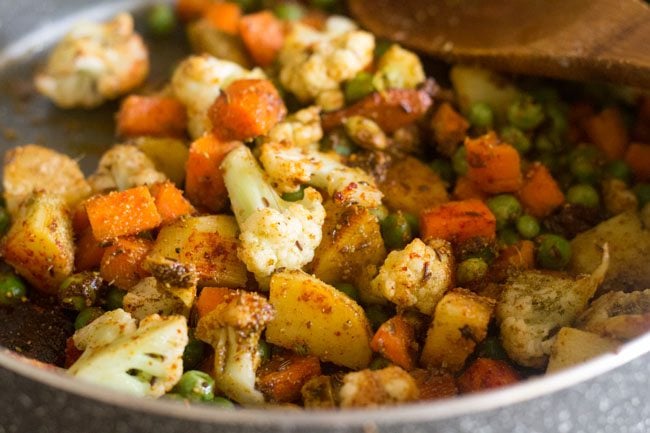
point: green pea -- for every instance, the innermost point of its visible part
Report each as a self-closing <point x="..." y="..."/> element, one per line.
<point x="264" y="350"/>
<point x="557" y="119"/>
<point x="443" y="168"/>
<point x="161" y="19"/>
<point x="619" y="170"/>
<point x="114" y="298"/>
<point x="508" y="236"/>
<point x="396" y="230"/>
<point x="12" y="289"/>
<point x="413" y="221"/>
<point x="491" y="348"/>
<point x="86" y="316"/>
<point x="471" y="270"/>
<point x="377" y="315"/>
<point x="223" y="403"/>
<point x="348" y="289"/>
<point x="528" y="226"/>
<point x="459" y="161"/>
<point x="81" y="290"/>
<point x="583" y="194"/>
<point x="379" y="363"/>
<point x="381" y="46"/>
<point x="642" y="191"/>
<point x="195" y="385"/>
<point x="516" y="138"/>
<point x="545" y="94"/>
<point x="5" y="220"/>
<point x="194" y="351"/>
<point x="288" y="11"/>
<point x="553" y="252"/>
<point x="525" y="114"/>
<point x="550" y="161"/>
<point x="297" y="195"/>
<point x="505" y="207"/>
<point x="548" y="142"/>
<point x="480" y="116"/>
<point x="359" y="87"/>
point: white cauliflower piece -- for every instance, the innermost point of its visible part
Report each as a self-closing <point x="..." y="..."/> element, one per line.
<point x="417" y="276"/>
<point x="313" y="63"/>
<point x="302" y="129"/>
<point x="234" y="329"/>
<point x="33" y="168"/>
<point x="274" y="233"/>
<point x="149" y="297"/>
<point x="290" y="166"/>
<point x="535" y="304"/>
<point x="618" y="315"/>
<point x="94" y="63"/>
<point x="197" y="82"/>
<point x="104" y="330"/>
<point x="122" y="167"/>
<point x="398" y="69"/>
<point x="145" y="362"/>
<point x="368" y="388"/>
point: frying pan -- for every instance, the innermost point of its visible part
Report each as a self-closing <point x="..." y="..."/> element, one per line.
<point x="608" y="394"/>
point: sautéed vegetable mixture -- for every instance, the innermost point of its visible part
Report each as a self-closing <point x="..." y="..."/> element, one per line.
<point x="302" y="215"/>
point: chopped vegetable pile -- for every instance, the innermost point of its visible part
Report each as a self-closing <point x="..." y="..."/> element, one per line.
<point x="303" y="216"/>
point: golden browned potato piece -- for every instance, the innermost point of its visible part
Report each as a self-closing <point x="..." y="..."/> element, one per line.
<point x="459" y="323"/>
<point x="351" y="241"/>
<point x="209" y="244"/>
<point x="573" y="346"/>
<point x="315" y="318"/>
<point x="40" y="244"/>
<point x="411" y="186"/>
<point x="36" y="168"/>
<point x="618" y="315"/>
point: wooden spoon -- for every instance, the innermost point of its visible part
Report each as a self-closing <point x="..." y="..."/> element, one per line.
<point x="573" y="39"/>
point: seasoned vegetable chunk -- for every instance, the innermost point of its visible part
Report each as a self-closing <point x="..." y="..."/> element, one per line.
<point x="573" y="346"/>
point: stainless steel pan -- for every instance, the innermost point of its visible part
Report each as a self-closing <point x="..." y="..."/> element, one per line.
<point x="609" y="394"/>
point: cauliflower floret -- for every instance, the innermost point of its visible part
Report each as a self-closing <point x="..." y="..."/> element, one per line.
<point x="398" y="69"/>
<point x="146" y="361"/>
<point x="94" y="63"/>
<point x="536" y="304"/>
<point x="149" y="297"/>
<point x="104" y="330"/>
<point x="302" y="129"/>
<point x="122" y="167"/>
<point x="290" y="166"/>
<point x="197" y="82"/>
<point x="368" y="388"/>
<point x="233" y="328"/>
<point x="315" y="63"/>
<point x="274" y="233"/>
<point x="417" y="276"/>
<point x="618" y="314"/>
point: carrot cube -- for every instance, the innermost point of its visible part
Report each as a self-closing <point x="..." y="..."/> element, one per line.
<point x="493" y="166"/>
<point x="154" y="116"/>
<point x="540" y="194"/>
<point x="638" y="158"/>
<point x="170" y="201"/>
<point x="122" y="262"/>
<point x="458" y="221"/>
<point x="263" y="36"/>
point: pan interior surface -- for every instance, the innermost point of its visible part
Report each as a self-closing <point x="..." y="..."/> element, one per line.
<point x="26" y="117"/>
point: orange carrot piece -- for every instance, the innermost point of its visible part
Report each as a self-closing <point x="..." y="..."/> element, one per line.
<point x="458" y="221"/>
<point x="449" y="129"/>
<point x="80" y="221"/>
<point x="493" y="166"/>
<point x="204" y="184"/>
<point x="263" y="36"/>
<point x="188" y="10"/>
<point x="71" y="353"/>
<point x="391" y="110"/>
<point x="282" y="378"/>
<point x="122" y="213"/>
<point x="434" y="384"/>
<point x="223" y="16"/>
<point x="246" y="109"/>
<point x="540" y="194"/>
<point x="516" y="257"/>
<point x="395" y="341"/>
<point x="210" y="298"/>
<point x="607" y="131"/>
<point x="485" y="373"/>
<point x="88" y="252"/>
<point x="466" y="189"/>
<point x="155" y="116"/>
<point x="122" y="262"/>
<point x="170" y="201"/>
<point x="638" y="158"/>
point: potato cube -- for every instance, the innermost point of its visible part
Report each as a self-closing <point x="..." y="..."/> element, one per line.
<point x="573" y="346"/>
